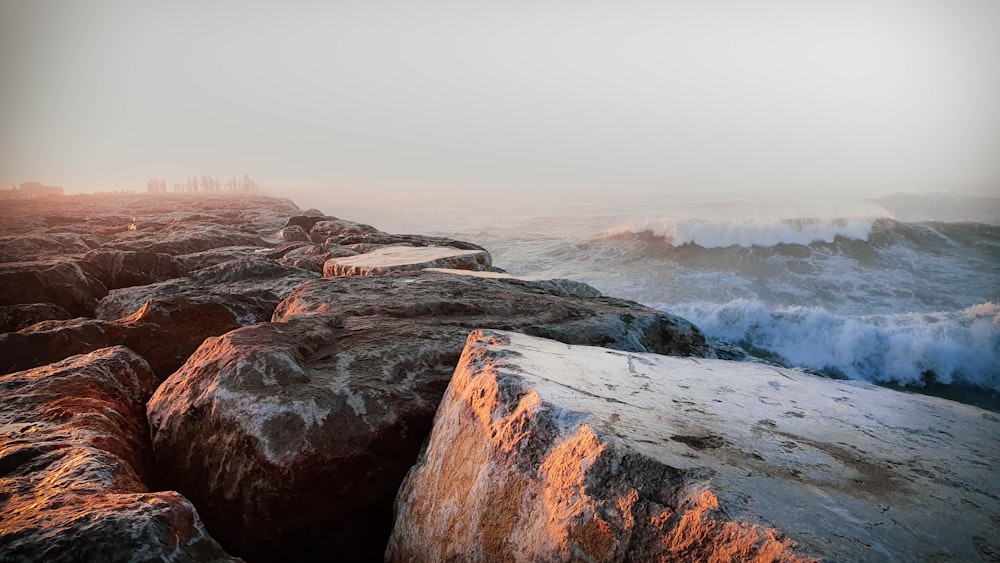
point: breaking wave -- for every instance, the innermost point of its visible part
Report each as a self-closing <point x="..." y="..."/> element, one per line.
<point x="748" y="233"/>
<point x="908" y="348"/>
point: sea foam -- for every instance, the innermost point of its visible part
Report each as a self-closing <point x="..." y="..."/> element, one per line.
<point x="956" y="347"/>
<point x="751" y="232"/>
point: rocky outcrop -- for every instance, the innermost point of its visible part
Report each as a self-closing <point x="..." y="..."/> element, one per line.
<point x="74" y="456"/>
<point x="250" y="277"/>
<point x="28" y="248"/>
<point x="403" y="258"/>
<point x="547" y="452"/>
<point x="16" y="317"/>
<point x="263" y="426"/>
<point x="164" y="331"/>
<point x="121" y="268"/>
<point x="60" y="282"/>
<point x="312" y="257"/>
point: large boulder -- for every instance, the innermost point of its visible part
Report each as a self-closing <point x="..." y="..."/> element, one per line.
<point x="76" y="469"/>
<point x="164" y="331"/>
<point x="546" y="452"/>
<point x="403" y="258"/>
<point x="250" y="277"/>
<point x="123" y="268"/>
<point x="60" y="282"/>
<point x="184" y="238"/>
<point x="293" y="437"/>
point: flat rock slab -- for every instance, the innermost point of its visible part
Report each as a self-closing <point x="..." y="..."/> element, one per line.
<point x="556" y="286"/>
<point x="397" y="258"/>
<point x="544" y="451"/>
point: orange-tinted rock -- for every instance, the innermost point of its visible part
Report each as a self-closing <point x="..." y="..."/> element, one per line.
<point x="293" y="436"/>
<point x="546" y="452"/>
<point x="75" y="468"/>
<point x="405" y="258"/>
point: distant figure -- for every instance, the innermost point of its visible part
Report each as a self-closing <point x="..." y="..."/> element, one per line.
<point x="131" y="226"/>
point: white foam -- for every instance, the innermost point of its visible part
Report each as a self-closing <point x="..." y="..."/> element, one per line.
<point x="752" y="232"/>
<point x="960" y="346"/>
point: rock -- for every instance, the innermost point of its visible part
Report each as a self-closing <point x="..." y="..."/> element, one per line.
<point x="121" y="268"/>
<point x="59" y="282"/>
<point x="164" y="331"/>
<point x="184" y="238"/>
<point x="314" y="256"/>
<point x="293" y="233"/>
<point x="216" y="256"/>
<point x="75" y="455"/>
<point x="329" y="229"/>
<point x="16" y="317"/>
<point x="401" y="258"/>
<point x="546" y="452"/>
<point x="257" y="278"/>
<point x="557" y="286"/>
<point x="266" y="424"/>
<point x="28" y="248"/>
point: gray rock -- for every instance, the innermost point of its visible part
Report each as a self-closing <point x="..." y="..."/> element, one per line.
<point x="546" y="452"/>
<point x="61" y="282"/>
<point x="16" y="317"/>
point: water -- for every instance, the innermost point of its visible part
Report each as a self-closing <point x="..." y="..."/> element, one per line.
<point x="875" y="290"/>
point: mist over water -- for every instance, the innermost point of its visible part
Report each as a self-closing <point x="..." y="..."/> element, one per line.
<point x="847" y="289"/>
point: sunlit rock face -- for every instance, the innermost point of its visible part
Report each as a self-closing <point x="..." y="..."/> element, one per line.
<point x="263" y="426"/>
<point x="75" y="468"/>
<point x="401" y="258"/>
<point x="545" y="452"/>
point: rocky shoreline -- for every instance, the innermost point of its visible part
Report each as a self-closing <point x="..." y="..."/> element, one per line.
<point x="211" y="377"/>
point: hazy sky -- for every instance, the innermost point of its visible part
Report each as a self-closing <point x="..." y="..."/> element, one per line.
<point x="533" y="97"/>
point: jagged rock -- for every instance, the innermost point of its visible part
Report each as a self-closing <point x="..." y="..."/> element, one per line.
<point x="547" y="452"/>
<point x="258" y="278"/>
<point x="29" y="248"/>
<point x="293" y="233"/>
<point x="64" y="283"/>
<point x="164" y="331"/>
<point x="16" y="317"/>
<point x="401" y="258"/>
<point x="266" y="424"/>
<point x="76" y="469"/>
<point x="121" y="268"/>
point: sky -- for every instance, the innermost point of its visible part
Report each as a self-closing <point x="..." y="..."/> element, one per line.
<point x="567" y="99"/>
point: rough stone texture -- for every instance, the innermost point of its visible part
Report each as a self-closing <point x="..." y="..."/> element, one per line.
<point x="74" y="468"/>
<point x="164" y="331"/>
<point x="401" y="258"/>
<point x="293" y="233"/>
<point x="331" y="229"/>
<point x="264" y="425"/>
<point x="120" y="268"/>
<point x="16" y="317"/>
<point x="216" y="256"/>
<point x="313" y="257"/>
<point x="60" y="282"/>
<point x="254" y="277"/>
<point x="545" y="452"/>
<point x="185" y="238"/>
<point x="29" y="248"/>
<point x="557" y="286"/>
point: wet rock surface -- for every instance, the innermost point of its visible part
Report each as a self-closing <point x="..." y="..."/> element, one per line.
<point x="75" y="468"/>
<point x="542" y="451"/>
<point x="334" y="398"/>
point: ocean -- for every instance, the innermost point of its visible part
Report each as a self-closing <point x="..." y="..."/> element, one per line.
<point x="900" y="290"/>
